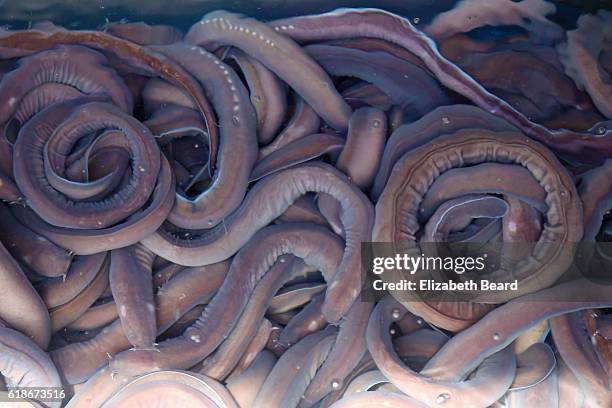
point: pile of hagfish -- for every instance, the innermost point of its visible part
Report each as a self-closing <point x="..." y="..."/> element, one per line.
<point x="183" y="213"/>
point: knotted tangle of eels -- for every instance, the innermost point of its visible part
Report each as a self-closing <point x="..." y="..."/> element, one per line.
<point x="191" y="219"/>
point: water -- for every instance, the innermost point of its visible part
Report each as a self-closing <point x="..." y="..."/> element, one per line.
<point x="87" y="14"/>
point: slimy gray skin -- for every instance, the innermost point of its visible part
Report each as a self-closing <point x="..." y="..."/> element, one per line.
<point x="456" y="214"/>
<point x="75" y="66"/>
<point x="132" y="287"/>
<point x="346" y="353"/>
<point x="379" y="45"/>
<point x="233" y="349"/>
<point x="25" y="364"/>
<point x="536" y="334"/>
<point x="534" y="365"/>
<point x="236" y="115"/>
<point x="97" y="389"/>
<point x="68" y="122"/>
<point x="26" y="42"/>
<point x="220" y="363"/>
<point x="530" y="15"/>
<point x="442" y="120"/>
<point x="492" y="333"/>
<point x="577" y="348"/>
<point x="359" y="159"/>
<point x="522" y="222"/>
<point x="418" y="347"/>
<point x="365" y="142"/>
<point x="366" y="364"/>
<point x="304" y="121"/>
<point x="522" y="225"/>
<point x="414" y="174"/>
<point x="167" y="388"/>
<point x="273" y="344"/>
<point x="303" y="209"/>
<point x="496" y="178"/>
<point x="493" y="178"/>
<point x="78" y="361"/>
<point x="82" y="272"/>
<point x="378" y="399"/>
<point x="305" y="322"/>
<point x="299" y="151"/>
<point x="580" y="57"/>
<point x="66" y="313"/>
<point x="145" y="34"/>
<point x="410" y="323"/>
<point x="158" y="94"/>
<point x="268" y="94"/>
<point x="364" y="382"/>
<point x="314" y="244"/>
<point x="8" y="190"/>
<point x="20" y="306"/>
<point x="98" y="315"/>
<point x="258" y="210"/>
<point x="128" y="232"/>
<point x="33" y="250"/>
<point x="290" y="376"/>
<point x="375" y="23"/>
<point x="186" y="290"/>
<point x="66" y="336"/>
<point x="570" y="391"/>
<point x="407" y="85"/>
<point x="182" y="323"/>
<point x="278" y="53"/>
<point x="283" y="317"/>
<point x="170" y="121"/>
<point x="256" y="346"/>
<point x="490" y="382"/>
<point x="164" y="273"/>
<point x="595" y="188"/>
<point x="364" y="94"/>
<point x="294" y="296"/>
<point x="96" y="179"/>
<point x="245" y="386"/>
<point x="543" y="394"/>
<point x="525" y="74"/>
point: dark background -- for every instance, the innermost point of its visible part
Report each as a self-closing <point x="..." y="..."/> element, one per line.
<point x="87" y="14"/>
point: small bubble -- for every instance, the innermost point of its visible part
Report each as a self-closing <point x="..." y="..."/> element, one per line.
<point x="416" y="20"/>
<point x="601" y="130"/>
<point x="496" y="336"/>
<point x="392" y="332"/>
<point x="442" y="398"/>
<point x="376" y="123"/>
<point x="335" y="384"/>
<point x="395" y="313"/>
<point x="445" y="120"/>
<point x="419" y="321"/>
<point x="195" y="338"/>
<point x="235" y="120"/>
<point x="196" y="146"/>
<point x="210" y="222"/>
<point x="257" y="98"/>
